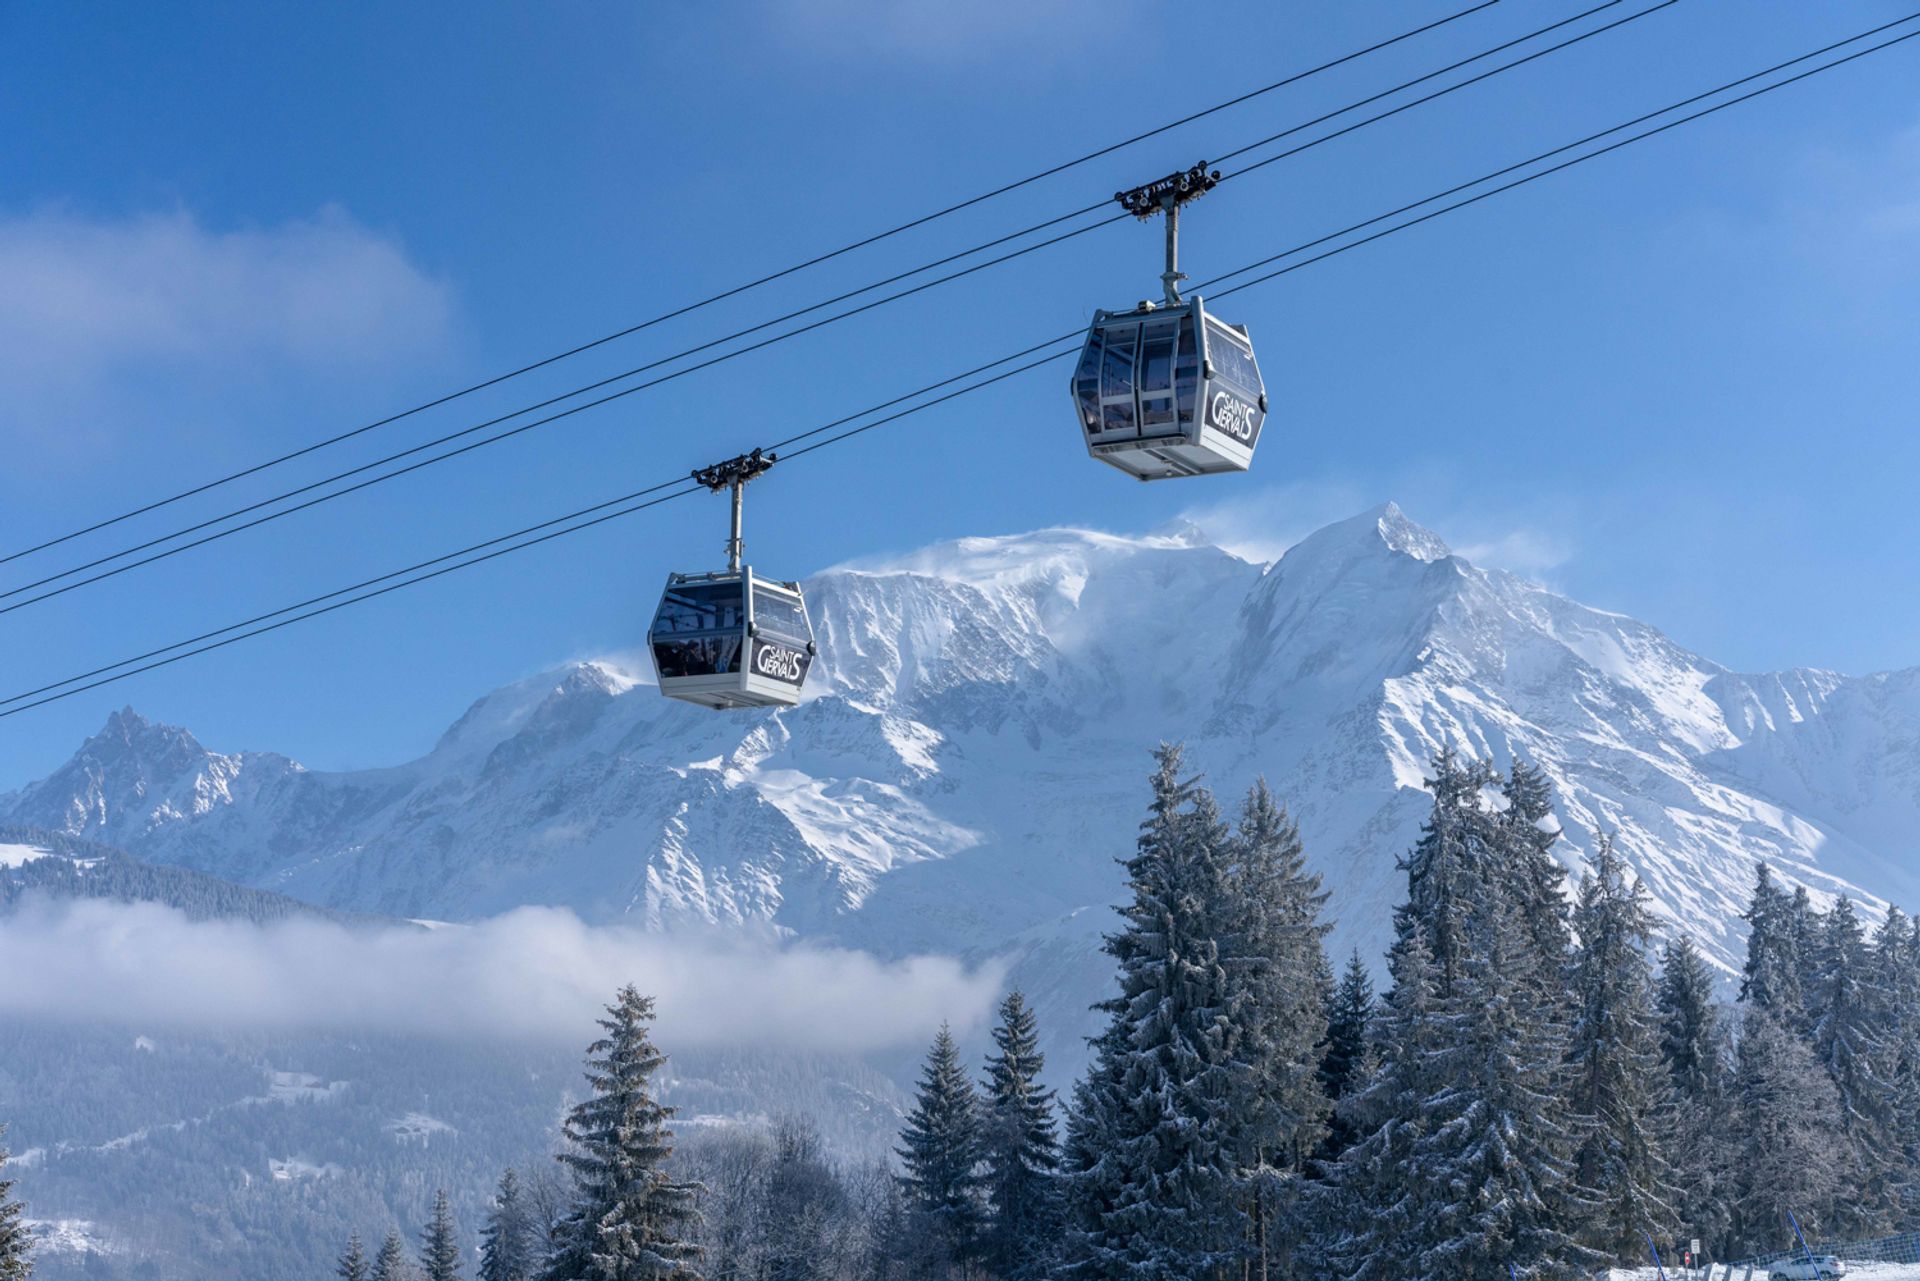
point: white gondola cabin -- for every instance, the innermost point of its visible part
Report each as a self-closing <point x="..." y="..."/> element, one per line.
<point x="730" y="638"/>
<point x="1166" y="390"/>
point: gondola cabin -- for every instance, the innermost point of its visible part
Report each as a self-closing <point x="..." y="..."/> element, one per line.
<point x="1166" y="390"/>
<point x="727" y="640"/>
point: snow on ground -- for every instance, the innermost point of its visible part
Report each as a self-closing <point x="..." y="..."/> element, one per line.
<point x="15" y="855"/>
<point x="418" y="1127"/>
<point x="295" y="1168"/>
<point x="1855" y="1271"/>
<point x="66" y="1236"/>
<point x="299" y="1087"/>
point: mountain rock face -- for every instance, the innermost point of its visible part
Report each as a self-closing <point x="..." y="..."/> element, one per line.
<point x="971" y="758"/>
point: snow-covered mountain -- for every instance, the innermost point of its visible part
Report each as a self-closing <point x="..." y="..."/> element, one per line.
<point x="972" y="755"/>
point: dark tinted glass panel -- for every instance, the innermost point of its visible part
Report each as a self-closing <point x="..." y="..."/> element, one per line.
<point x="779" y="615"/>
<point x="1116" y="369"/>
<point x="1156" y="357"/>
<point x="701" y="607"/>
<point x="1086" y="385"/>
<point x="710" y="656"/>
<point x="1232" y="359"/>
<point x="1119" y="416"/>
<point x="1186" y="371"/>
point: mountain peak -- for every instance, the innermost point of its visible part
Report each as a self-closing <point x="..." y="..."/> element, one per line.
<point x="1365" y="535"/>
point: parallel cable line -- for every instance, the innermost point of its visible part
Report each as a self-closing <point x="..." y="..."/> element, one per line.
<point x="723" y="357"/>
<point x="1010" y="373"/>
<point x="737" y="290"/>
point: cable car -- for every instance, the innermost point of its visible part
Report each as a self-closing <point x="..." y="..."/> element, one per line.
<point x="1164" y="389"/>
<point x="730" y="638"/>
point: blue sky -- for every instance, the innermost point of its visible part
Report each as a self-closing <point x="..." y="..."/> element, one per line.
<point x="1679" y="382"/>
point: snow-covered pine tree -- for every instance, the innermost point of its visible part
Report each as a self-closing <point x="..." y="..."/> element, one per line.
<point x="629" y="1220"/>
<point x="1345" y="1056"/>
<point x="1268" y="924"/>
<point x="1787" y="1152"/>
<point x="1692" y="1041"/>
<point x="1693" y="1045"/>
<point x="440" y="1243"/>
<point x="1370" y="1205"/>
<point x="1772" y="978"/>
<point x="1620" y="1087"/>
<point x="1495" y="1158"/>
<point x="1151" y="1172"/>
<point x="941" y="1149"/>
<point x="509" y="1244"/>
<point x="16" y="1242"/>
<point x="1451" y="870"/>
<point x="1021" y="1151"/>
<point x="1535" y="879"/>
<point x="1849" y="1018"/>
<point x="352" y="1265"/>
<point x="390" y="1264"/>
<point x="1896" y="964"/>
<point x="1807" y="925"/>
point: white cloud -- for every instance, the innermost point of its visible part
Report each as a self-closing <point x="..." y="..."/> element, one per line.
<point x="535" y="972"/>
<point x="91" y="299"/>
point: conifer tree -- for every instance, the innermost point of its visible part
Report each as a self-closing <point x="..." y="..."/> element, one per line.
<point x="1268" y="925"/>
<point x="629" y="1220"/>
<point x="941" y="1148"/>
<point x="1691" y="1040"/>
<point x="1849" y="1018"/>
<point x="390" y="1264"/>
<point x="1451" y="869"/>
<point x="1484" y="1181"/>
<point x="1372" y="1206"/>
<point x="1021" y="1150"/>
<point x="1152" y="1183"/>
<point x="1786" y="1147"/>
<point x="353" y="1263"/>
<point x="1896" y="965"/>
<point x="1345" y="1057"/>
<point x="16" y="1242"/>
<point x="1535" y="879"/>
<point x="1806" y="924"/>
<point x="1693" y="1045"/>
<point x="509" y="1248"/>
<point x="439" y="1243"/>
<point x="1496" y="1154"/>
<point x="1620" y="1087"/>
<point x="1772" y="978"/>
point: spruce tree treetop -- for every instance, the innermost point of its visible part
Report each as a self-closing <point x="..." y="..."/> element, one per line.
<point x="1621" y="1090"/>
<point x="391" y="1263"/>
<point x="941" y="1142"/>
<point x="629" y="1221"/>
<point x="440" y="1243"/>
<point x="1772" y="977"/>
<point x="1347" y="1024"/>
<point x="1153" y="1176"/>
<point x="1690" y="1033"/>
<point x="1021" y="1149"/>
<point x="353" y="1263"/>
<point x="508" y="1249"/>
<point x="16" y="1243"/>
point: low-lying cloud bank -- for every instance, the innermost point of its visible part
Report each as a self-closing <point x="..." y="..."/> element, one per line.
<point x="533" y="973"/>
